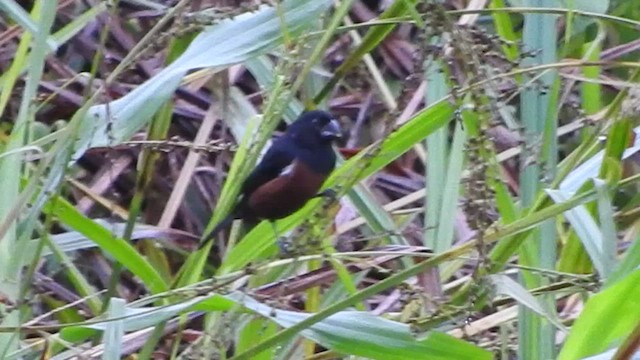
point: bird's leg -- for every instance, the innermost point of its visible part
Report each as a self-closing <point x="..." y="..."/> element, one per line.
<point x="327" y="193"/>
<point x="283" y="243"/>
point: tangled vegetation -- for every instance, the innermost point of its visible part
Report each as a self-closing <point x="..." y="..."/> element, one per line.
<point x="485" y="197"/>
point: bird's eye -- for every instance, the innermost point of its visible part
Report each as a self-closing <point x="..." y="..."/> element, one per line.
<point x="315" y="120"/>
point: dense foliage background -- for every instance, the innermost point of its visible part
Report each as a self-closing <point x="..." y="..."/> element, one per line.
<point x="487" y="201"/>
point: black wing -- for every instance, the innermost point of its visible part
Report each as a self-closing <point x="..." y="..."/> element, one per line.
<point x="277" y="158"/>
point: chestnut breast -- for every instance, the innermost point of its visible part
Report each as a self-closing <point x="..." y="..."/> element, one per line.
<point x="287" y="193"/>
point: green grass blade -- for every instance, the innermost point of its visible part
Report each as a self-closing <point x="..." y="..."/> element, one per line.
<point x="438" y="151"/>
<point x="11" y="168"/>
<point x="608" y="316"/>
<point x="535" y="336"/>
<point x="117" y="247"/>
<point x="362" y="334"/>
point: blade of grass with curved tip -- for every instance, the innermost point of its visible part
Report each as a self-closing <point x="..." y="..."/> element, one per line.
<point x="401" y="140"/>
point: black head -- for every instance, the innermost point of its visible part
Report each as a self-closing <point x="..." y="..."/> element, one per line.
<point x="314" y="128"/>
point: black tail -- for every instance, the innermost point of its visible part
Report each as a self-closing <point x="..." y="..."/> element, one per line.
<point x="225" y="223"/>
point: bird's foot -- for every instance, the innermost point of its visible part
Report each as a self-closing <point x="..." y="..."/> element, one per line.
<point x="328" y="193"/>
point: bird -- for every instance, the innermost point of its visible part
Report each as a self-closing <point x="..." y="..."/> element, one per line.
<point x="291" y="172"/>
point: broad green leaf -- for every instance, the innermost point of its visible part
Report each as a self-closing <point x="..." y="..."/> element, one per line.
<point x="607" y="318"/>
<point x="121" y="250"/>
<point x="74" y="240"/>
<point x="362" y="334"/>
<point x="141" y="317"/>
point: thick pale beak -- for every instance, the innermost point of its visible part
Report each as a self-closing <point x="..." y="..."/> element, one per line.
<point x="332" y="130"/>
